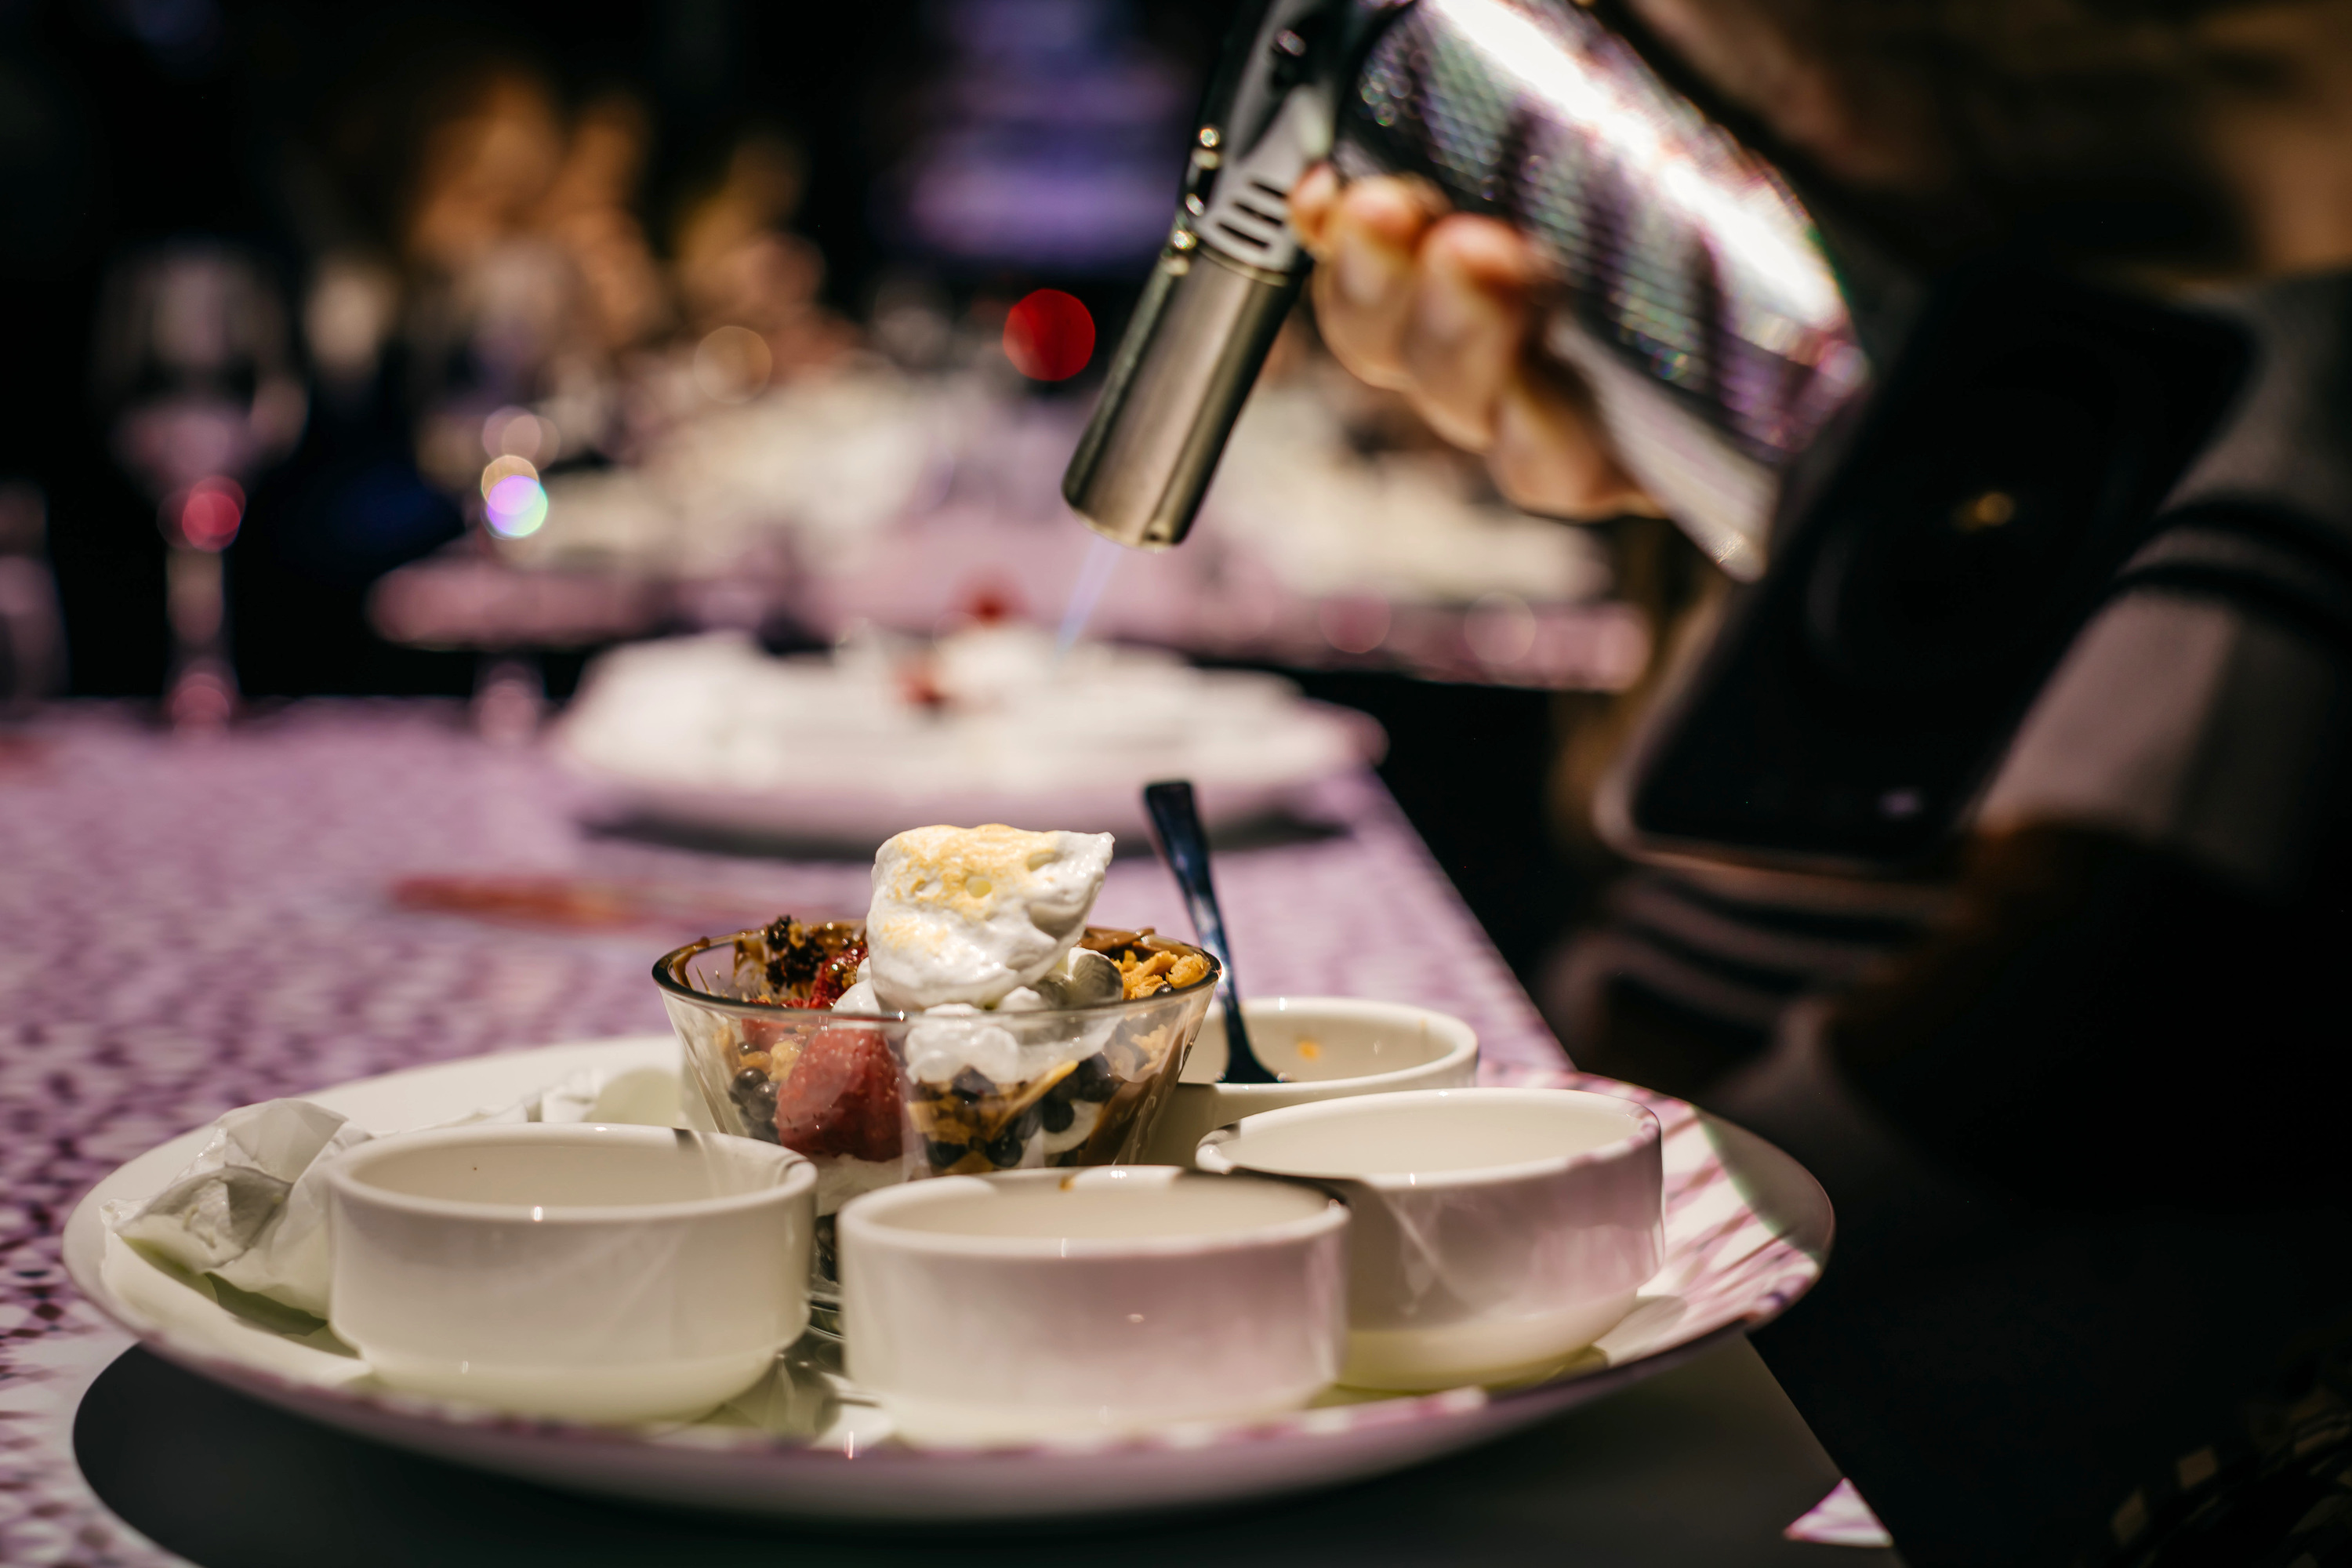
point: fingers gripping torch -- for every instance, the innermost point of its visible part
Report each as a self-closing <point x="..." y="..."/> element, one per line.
<point x="1686" y="286"/>
<point x="1947" y="468"/>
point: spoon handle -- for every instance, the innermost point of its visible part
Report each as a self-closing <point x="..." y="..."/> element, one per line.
<point x="1184" y="845"/>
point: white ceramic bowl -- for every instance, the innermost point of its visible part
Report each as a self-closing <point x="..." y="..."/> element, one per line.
<point x="1494" y="1233"/>
<point x="591" y="1272"/>
<point x="985" y="1308"/>
<point x="1325" y="1047"/>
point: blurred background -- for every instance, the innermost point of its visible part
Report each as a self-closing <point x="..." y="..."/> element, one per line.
<point x="384" y="349"/>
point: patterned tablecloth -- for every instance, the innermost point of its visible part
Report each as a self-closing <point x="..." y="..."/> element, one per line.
<point x="188" y="925"/>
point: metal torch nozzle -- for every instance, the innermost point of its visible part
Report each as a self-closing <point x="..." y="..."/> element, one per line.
<point x="1202" y="329"/>
<point x="1228" y="277"/>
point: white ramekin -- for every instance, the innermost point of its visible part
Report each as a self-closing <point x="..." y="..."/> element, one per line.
<point x="1493" y="1231"/>
<point x="1325" y="1047"/>
<point x="589" y="1272"/>
<point x="1042" y="1303"/>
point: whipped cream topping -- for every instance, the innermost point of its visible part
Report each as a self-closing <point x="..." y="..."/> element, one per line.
<point x="972" y="914"/>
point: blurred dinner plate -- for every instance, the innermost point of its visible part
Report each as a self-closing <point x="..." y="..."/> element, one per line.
<point x="1746" y="1234"/>
<point x="851" y="821"/>
<point x="990" y="724"/>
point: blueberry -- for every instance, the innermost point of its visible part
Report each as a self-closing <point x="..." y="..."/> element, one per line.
<point x="1094" y="1080"/>
<point x="1056" y="1113"/>
<point x="755" y="1094"/>
<point x="1004" y="1148"/>
<point x="971" y="1085"/>
<point x="943" y="1155"/>
<point x="758" y="1103"/>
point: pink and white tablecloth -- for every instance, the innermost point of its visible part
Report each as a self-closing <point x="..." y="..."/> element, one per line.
<point x="188" y="925"/>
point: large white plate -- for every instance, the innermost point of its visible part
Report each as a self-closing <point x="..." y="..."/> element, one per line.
<point x="1746" y="1232"/>
<point x="1248" y="742"/>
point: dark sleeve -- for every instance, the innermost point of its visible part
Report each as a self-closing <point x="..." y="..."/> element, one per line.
<point x="2144" y="990"/>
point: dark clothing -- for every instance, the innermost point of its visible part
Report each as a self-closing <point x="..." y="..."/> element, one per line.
<point x="2087" y="1136"/>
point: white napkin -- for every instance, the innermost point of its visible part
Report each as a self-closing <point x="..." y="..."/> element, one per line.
<point x="250" y="1211"/>
<point x="1840" y="1519"/>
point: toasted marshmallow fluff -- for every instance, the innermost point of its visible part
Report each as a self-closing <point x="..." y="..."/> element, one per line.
<point x="969" y="914"/>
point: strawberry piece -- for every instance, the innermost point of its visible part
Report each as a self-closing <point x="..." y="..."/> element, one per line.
<point x="837" y="975"/>
<point x="842" y="1098"/>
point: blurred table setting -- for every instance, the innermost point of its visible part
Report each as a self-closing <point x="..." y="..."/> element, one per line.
<point x="906" y="501"/>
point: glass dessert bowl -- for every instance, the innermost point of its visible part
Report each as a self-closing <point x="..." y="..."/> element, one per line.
<point x="874" y="1097"/>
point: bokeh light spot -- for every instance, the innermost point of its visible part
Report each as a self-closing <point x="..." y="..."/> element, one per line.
<point x="501" y="469"/>
<point x="1354" y="623"/>
<point x="515" y="507"/>
<point x="209" y="513"/>
<point x="732" y="364"/>
<point x="1049" y="336"/>
<point x="519" y="433"/>
<point x="1500" y="630"/>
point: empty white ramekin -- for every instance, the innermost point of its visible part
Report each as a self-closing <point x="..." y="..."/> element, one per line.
<point x="1493" y="1231"/>
<point x="589" y="1272"/>
<point x="1324" y="1048"/>
<point x="1049" y="1302"/>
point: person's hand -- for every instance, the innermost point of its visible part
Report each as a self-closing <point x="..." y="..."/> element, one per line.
<point x="1438" y="306"/>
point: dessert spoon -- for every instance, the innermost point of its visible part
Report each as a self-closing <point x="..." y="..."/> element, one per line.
<point x="1184" y="845"/>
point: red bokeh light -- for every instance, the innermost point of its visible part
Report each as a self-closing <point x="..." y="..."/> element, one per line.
<point x="1049" y="336"/>
<point x="991" y="602"/>
<point x="210" y="513"/>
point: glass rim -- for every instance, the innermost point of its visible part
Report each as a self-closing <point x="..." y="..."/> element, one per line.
<point x="669" y="967"/>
